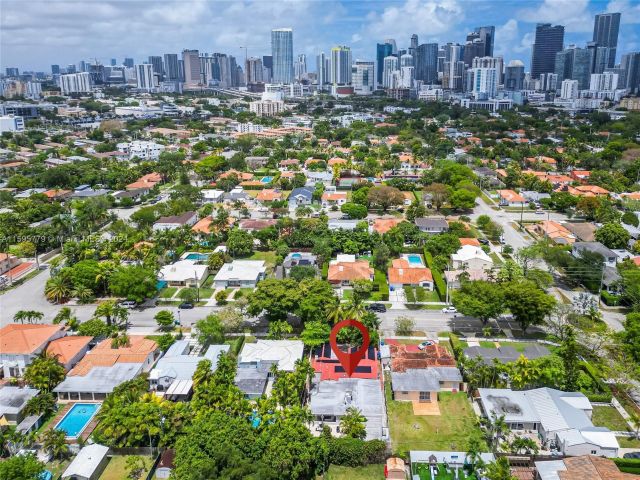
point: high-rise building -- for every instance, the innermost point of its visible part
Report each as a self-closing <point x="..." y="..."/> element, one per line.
<point x="490" y="62"/>
<point x="363" y="76"/>
<point x="482" y="82"/>
<point x="575" y="64"/>
<point x="341" y="65"/>
<point x="605" y="34"/>
<point x="75" y="83"/>
<point x="569" y="90"/>
<point x="71" y="68"/>
<point x="158" y="68"/>
<point x="144" y="77"/>
<point x="453" y="67"/>
<point x="390" y="66"/>
<point x="514" y="76"/>
<point x="253" y="70"/>
<point x="392" y="42"/>
<point x="603" y="82"/>
<point x="128" y="62"/>
<point x="630" y="63"/>
<point x="426" y="62"/>
<point x="55" y="69"/>
<point x="267" y="65"/>
<point x="406" y="60"/>
<point x="322" y="70"/>
<point x="191" y="62"/>
<point x="549" y="41"/>
<point x="114" y="62"/>
<point x="171" y="67"/>
<point x="383" y="50"/>
<point x="547" y="82"/>
<point x="12" y="72"/>
<point x="413" y="46"/>
<point x="282" y="53"/>
<point x="599" y="57"/>
<point x="300" y="67"/>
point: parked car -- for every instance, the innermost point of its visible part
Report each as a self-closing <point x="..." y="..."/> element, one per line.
<point x="539" y="212"/>
<point x="483" y="241"/>
<point x="631" y="455"/>
<point x="128" y="304"/>
<point x="450" y="309"/>
<point x="376" y="307"/>
<point x="425" y="344"/>
<point x="185" y="306"/>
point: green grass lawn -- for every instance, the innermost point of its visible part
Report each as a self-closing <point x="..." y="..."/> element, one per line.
<point x="168" y="292"/>
<point x="242" y="292"/>
<point x="449" y="431"/>
<point x="610" y="418"/>
<point x="206" y="292"/>
<point x="370" y="472"/>
<point x="420" y="294"/>
<point x="268" y="257"/>
<point x="423" y="471"/>
<point x="517" y="346"/>
<point x="57" y="467"/>
<point x="116" y="468"/>
<point x="628" y="442"/>
<point x="208" y="282"/>
<point x="495" y="258"/>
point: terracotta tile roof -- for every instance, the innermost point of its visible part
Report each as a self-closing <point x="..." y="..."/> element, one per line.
<point x="256" y="224"/>
<point x="592" y="468"/>
<point x="66" y="348"/>
<point x="269" y="195"/>
<point x="55" y="193"/>
<point x="25" y="339"/>
<point x="469" y="241"/>
<point x="334" y="196"/>
<point x="555" y="230"/>
<point x="251" y="183"/>
<point x="203" y="225"/>
<point x="402" y="272"/>
<point x="404" y="358"/>
<point x="152" y="177"/>
<point x="240" y="175"/>
<point x="383" y="225"/>
<point x="349" y="271"/>
<point x="511" y="196"/>
<point x="336" y="161"/>
<point x="103" y="355"/>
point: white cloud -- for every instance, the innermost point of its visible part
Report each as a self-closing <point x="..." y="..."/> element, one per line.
<point x="356" y="37"/>
<point x="630" y="12"/>
<point x="573" y="14"/>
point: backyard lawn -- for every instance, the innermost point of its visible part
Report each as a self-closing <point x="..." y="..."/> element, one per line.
<point x="116" y="468"/>
<point x="609" y="417"/>
<point x="449" y="431"/>
<point x="423" y="471"/>
<point x="370" y="472"/>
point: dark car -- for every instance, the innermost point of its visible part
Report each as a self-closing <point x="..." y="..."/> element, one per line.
<point x="631" y="455"/>
<point x="376" y="307"/>
<point x="483" y="241"/>
<point x="185" y="306"/>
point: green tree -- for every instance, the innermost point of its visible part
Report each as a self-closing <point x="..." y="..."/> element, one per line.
<point x="21" y="467"/>
<point x="278" y="329"/>
<point x="134" y="283"/>
<point x="570" y="359"/>
<point x="462" y="200"/>
<point x="404" y="326"/>
<point x="113" y="313"/>
<point x="239" y="243"/>
<point x="480" y="299"/>
<point x="231" y="317"/>
<point x="315" y="333"/>
<point x="277" y="298"/>
<point x="613" y="235"/>
<point x="43" y="404"/>
<point x="528" y="304"/>
<point x="54" y="443"/>
<point x="45" y="372"/>
<point x="95" y="328"/>
<point x="210" y="331"/>
<point x="385" y="197"/>
<point x="164" y="319"/>
<point x="499" y="470"/>
<point x="352" y="424"/>
<point x="354" y="210"/>
<point x="30" y="316"/>
<point x="136" y="466"/>
<point x="301" y="272"/>
<point x="381" y="255"/>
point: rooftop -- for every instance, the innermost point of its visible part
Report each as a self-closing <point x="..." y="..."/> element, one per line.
<point x="241" y="270"/>
<point x="66" y="348"/>
<point x="284" y="352"/>
<point x="26" y="339"/>
<point x="14" y="399"/>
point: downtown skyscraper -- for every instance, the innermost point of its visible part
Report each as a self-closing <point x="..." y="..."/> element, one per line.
<point x="340" y="65"/>
<point x="383" y="50"/>
<point x="282" y="53"/>
<point x="605" y="34"/>
<point x="426" y="63"/>
<point x="549" y="41"/>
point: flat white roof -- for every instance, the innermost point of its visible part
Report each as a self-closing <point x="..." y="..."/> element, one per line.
<point x="182" y="270"/>
<point x="469" y="252"/>
<point x="87" y="461"/>
<point x="285" y="352"/>
<point x="241" y="270"/>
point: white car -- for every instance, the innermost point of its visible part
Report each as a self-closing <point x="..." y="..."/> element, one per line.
<point x="450" y="309"/>
<point x="425" y="344"/>
<point x="128" y="304"/>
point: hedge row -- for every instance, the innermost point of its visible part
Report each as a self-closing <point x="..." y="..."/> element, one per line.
<point x="456" y="345"/>
<point x="609" y="299"/>
<point x="380" y="279"/>
<point x="438" y="281"/>
<point x="628" y="465"/>
<point x="352" y="452"/>
<point x="325" y="270"/>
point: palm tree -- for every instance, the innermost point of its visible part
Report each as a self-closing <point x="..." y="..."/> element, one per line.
<point x="53" y="442"/>
<point x="20" y="316"/>
<point x="29" y="315"/>
<point x="356" y="309"/>
<point x="106" y="310"/>
<point x="43" y="404"/>
<point x="473" y="453"/>
<point x="105" y="270"/>
<point x="335" y="313"/>
<point x="352" y="423"/>
<point x="57" y="289"/>
<point x="83" y="294"/>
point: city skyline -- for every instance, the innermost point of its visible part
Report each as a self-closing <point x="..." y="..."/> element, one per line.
<point x="118" y="30"/>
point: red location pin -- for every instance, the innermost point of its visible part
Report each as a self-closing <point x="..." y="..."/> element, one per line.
<point x="349" y="361"/>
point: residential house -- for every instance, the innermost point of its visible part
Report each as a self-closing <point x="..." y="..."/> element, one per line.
<point x="403" y="273"/>
<point x="88" y="464"/>
<point x="299" y="259"/>
<point x="432" y="224"/>
<point x="509" y="198"/>
<point x="21" y="344"/>
<point x="7" y="262"/>
<point x="240" y="274"/>
<point x="561" y="419"/>
<point x="13" y="401"/>
<point x="534" y="197"/>
<point x="333" y="199"/>
<point x="256" y="224"/>
<point x="211" y="195"/>
<point x="506" y="354"/>
<point x="584" y="467"/>
<point x="176" y="221"/>
<point x="609" y="256"/>
<point x="69" y="350"/>
<point x="172" y="376"/>
<point x="454" y="278"/>
<point x="57" y="194"/>
<point x="269" y="195"/>
<point x="584" y="191"/>
<point x="470" y="257"/>
<point x="184" y="273"/>
<point x="346" y="269"/>
<point x="237" y="194"/>
<point x="418" y="376"/>
<point x="337" y="224"/>
<point x="552" y="230"/>
<point x="301" y="196"/>
<point x="383" y="225"/>
<point x="103" y="368"/>
<point x="581" y="176"/>
<point x="583" y="231"/>
<point x="166" y="464"/>
<point x="289" y="164"/>
<point x="327" y="366"/>
<point x="145" y="182"/>
<point x="135" y="195"/>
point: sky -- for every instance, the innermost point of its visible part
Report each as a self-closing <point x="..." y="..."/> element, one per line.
<point x="37" y="33"/>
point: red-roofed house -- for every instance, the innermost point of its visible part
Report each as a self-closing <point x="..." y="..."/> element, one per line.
<point x="581" y="175"/>
<point x="509" y="198"/>
<point x="383" y="225"/>
<point x="402" y="273"/>
<point x="330" y="199"/>
<point x="69" y="350"/>
<point x="20" y="344"/>
<point x="269" y="195"/>
<point x="346" y="269"/>
<point x="325" y="362"/>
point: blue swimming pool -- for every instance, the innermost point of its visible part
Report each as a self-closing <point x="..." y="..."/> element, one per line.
<point x="415" y="259"/>
<point x="266" y="179"/>
<point x="197" y="256"/>
<point x="76" y="419"/>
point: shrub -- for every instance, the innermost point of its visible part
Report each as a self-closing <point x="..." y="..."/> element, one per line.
<point x="353" y="452"/>
<point x="221" y="297"/>
<point x="456" y="345"/>
<point x="438" y="281"/>
<point x="380" y="280"/>
<point x="610" y="299"/>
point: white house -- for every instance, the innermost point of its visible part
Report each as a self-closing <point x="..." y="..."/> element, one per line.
<point x="183" y="273"/>
<point x="142" y="149"/>
<point x="240" y="273"/>
<point x="176" y="221"/>
<point x="21" y="344"/>
<point x="471" y="257"/>
<point x="88" y="464"/>
<point x="212" y="196"/>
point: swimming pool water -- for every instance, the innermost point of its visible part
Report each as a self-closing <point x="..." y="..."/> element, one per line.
<point x="415" y="259"/>
<point x="76" y="419"/>
<point x="197" y="256"/>
<point x="266" y="179"/>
